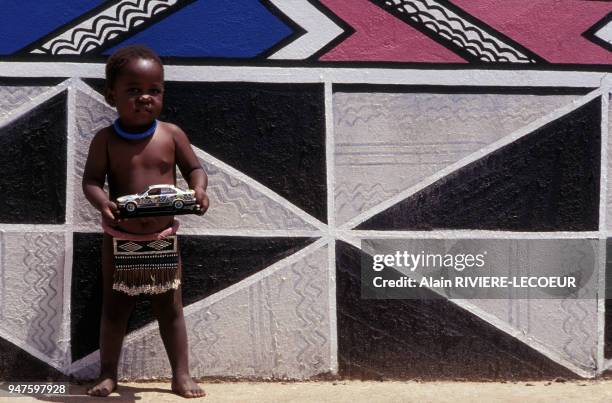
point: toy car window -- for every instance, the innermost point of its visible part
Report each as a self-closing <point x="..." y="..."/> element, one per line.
<point x="168" y="191"/>
<point x="154" y="192"/>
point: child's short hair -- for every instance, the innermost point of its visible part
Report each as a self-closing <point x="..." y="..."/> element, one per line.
<point x="122" y="56"/>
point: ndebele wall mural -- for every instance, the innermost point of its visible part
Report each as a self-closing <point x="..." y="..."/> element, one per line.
<point x="452" y="126"/>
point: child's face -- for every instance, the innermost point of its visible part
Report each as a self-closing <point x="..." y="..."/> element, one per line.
<point x="138" y="93"/>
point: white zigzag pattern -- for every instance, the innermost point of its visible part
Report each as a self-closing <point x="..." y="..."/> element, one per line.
<point x="93" y="32"/>
<point x="451" y="26"/>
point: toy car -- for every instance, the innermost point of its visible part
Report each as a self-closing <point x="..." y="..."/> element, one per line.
<point x="158" y="200"/>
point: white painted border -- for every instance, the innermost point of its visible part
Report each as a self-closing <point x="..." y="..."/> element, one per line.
<point x="406" y="76"/>
<point x="331" y="221"/>
<point x="329" y="155"/>
<point x="70" y="148"/>
<point x="603" y="212"/>
<point x="468" y="234"/>
<point x="69" y="230"/>
<point x="66" y="340"/>
<point x="603" y="183"/>
<point x="255" y="233"/>
<point x="251" y="233"/>
<point x="601" y="306"/>
<point x="333" y="306"/>
<point x="22" y="228"/>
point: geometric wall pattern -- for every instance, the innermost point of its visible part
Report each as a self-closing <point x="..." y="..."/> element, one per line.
<point x="567" y="326"/>
<point x="321" y="124"/>
<point x="270" y="274"/>
<point x="50" y="275"/>
<point x="517" y="186"/>
<point x="32" y="290"/>
<point x="545" y="34"/>
<point x="19" y="366"/>
<point x="424" y="338"/>
<point x="239" y="204"/>
<point x="418" y="135"/>
<point x="249" y="125"/>
<point x="210" y="264"/>
<point x="37" y="183"/>
<point x="275" y="326"/>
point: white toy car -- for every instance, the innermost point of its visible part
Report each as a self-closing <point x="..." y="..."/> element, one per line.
<point x="159" y="199"/>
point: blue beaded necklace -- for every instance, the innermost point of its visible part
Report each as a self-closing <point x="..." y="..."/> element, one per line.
<point x="134" y="136"/>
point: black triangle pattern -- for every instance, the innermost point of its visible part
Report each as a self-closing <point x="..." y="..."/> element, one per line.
<point x="547" y="180"/>
<point x="428" y="338"/>
<point x="19" y="366"/>
<point x="33" y="165"/>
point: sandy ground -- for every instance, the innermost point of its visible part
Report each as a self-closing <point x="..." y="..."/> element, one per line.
<point x="355" y="391"/>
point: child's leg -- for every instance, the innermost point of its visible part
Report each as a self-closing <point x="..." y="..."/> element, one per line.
<point x="168" y="308"/>
<point x="116" y="309"/>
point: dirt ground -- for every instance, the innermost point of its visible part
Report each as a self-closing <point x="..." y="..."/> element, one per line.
<point x="355" y="392"/>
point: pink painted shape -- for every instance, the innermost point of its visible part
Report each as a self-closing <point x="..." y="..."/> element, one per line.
<point x="379" y="36"/>
<point x="550" y="28"/>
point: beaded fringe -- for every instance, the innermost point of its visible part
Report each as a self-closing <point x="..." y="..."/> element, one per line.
<point x="147" y="289"/>
<point x="144" y="280"/>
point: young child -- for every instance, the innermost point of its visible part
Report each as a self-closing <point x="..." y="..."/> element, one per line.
<point x="134" y="153"/>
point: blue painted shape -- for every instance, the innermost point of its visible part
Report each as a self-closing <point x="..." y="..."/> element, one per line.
<point x="24" y="21"/>
<point x="214" y="28"/>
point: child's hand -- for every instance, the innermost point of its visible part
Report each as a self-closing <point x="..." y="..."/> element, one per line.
<point x="201" y="199"/>
<point x="110" y="213"/>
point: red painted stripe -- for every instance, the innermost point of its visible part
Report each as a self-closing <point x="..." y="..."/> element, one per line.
<point x="551" y="28"/>
<point x="379" y="36"/>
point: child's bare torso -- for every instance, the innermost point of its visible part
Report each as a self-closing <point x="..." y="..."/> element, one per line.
<point x="134" y="165"/>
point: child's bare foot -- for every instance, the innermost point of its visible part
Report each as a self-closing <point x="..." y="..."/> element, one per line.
<point x="105" y="385"/>
<point x="186" y="387"/>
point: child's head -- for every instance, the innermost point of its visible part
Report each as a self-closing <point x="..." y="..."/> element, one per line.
<point x="135" y="85"/>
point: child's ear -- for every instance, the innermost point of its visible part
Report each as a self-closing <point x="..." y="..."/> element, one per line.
<point x="109" y="95"/>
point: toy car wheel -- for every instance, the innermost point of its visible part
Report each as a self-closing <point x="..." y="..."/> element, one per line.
<point x="130" y="207"/>
<point x="178" y="204"/>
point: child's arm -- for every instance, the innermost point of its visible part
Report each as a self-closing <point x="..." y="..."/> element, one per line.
<point x="190" y="168"/>
<point x="94" y="177"/>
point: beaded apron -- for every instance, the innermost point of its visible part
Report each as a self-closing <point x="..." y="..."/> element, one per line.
<point x="146" y="267"/>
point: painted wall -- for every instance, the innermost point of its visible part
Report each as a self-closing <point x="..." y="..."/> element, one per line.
<point x="321" y="124"/>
